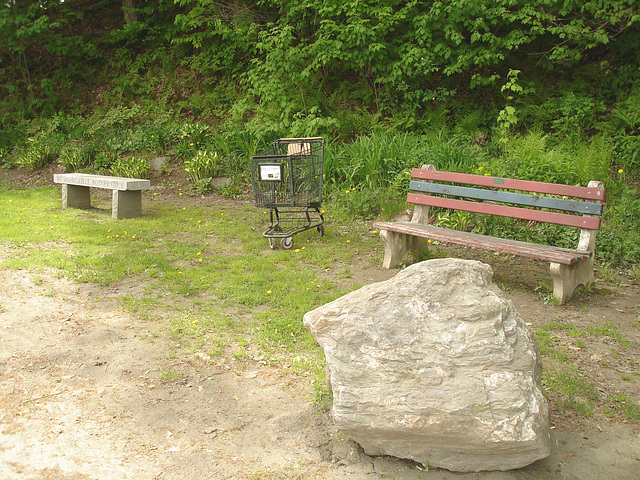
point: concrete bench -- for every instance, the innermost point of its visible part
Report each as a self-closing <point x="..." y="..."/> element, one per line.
<point x="126" y="199"/>
<point x="568" y="205"/>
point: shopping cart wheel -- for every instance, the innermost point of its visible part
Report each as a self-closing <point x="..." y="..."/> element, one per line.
<point x="321" y="230"/>
<point x="272" y="243"/>
<point x="286" y="242"/>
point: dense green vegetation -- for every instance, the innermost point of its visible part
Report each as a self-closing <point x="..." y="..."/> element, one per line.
<point x="546" y="90"/>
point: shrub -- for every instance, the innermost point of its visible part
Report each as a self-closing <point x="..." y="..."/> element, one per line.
<point x="75" y="157"/>
<point x="39" y="154"/>
<point x="201" y="168"/>
<point x="130" y="167"/>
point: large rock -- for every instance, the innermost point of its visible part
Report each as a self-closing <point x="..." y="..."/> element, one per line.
<point x="435" y="365"/>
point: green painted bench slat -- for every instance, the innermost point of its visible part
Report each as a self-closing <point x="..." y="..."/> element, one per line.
<point x="537" y="201"/>
<point x="506" y="211"/>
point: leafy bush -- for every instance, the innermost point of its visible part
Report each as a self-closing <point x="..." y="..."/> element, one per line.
<point x="130" y="167"/>
<point x="201" y="169"/>
<point x="77" y="156"/>
<point x="623" y="127"/>
<point x="575" y="114"/>
<point x="40" y="153"/>
<point x="72" y="159"/>
<point x="196" y="133"/>
<point x="104" y="159"/>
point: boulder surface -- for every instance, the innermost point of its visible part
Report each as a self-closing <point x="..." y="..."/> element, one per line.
<point x="435" y="365"/>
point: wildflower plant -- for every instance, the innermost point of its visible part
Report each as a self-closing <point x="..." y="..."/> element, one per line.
<point x="201" y="169"/>
<point x="130" y="167"/>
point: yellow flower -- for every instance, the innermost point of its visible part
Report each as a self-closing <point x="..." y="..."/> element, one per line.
<point x="621" y="171"/>
<point x="199" y="253"/>
<point x="268" y="292"/>
<point x="348" y="241"/>
<point x="322" y="211"/>
<point x="480" y="168"/>
<point x="375" y="231"/>
<point x="296" y="250"/>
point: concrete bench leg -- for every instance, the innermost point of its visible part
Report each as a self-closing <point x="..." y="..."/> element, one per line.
<point x="126" y="204"/>
<point x="396" y="245"/>
<point x="567" y="277"/>
<point x="76" y="196"/>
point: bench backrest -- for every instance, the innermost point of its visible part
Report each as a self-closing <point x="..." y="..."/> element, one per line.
<point x="546" y="202"/>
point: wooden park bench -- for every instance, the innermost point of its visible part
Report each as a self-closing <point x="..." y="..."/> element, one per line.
<point x="126" y="200"/>
<point x="569" y="205"/>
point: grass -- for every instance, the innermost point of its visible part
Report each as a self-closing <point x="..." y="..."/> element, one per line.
<point x="560" y="343"/>
<point x="206" y="275"/>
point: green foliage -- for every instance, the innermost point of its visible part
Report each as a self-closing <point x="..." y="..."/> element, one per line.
<point x="201" y="168"/>
<point x="532" y="156"/>
<point x="104" y="159"/>
<point x="453" y="155"/>
<point x="371" y="162"/>
<point x="130" y="167"/>
<point x="74" y="158"/>
<point x="623" y="126"/>
<point x="39" y="153"/>
<point x="507" y="117"/>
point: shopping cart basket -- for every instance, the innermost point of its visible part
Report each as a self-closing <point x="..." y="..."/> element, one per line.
<point x="288" y="181"/>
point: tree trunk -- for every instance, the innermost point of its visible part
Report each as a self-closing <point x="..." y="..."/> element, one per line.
<point x="130" y="15"/>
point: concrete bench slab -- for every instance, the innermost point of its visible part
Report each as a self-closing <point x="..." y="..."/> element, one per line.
<point x="126" y="200"/>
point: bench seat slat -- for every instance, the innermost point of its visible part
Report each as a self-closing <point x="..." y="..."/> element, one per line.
<point x="590" y="223"/>
<point x="523" y="249"/>
<point x="537" y="201"/>
<point x="587" y="193"/>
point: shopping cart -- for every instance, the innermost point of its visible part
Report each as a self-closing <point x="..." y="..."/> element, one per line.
<point x="288" y="181"/>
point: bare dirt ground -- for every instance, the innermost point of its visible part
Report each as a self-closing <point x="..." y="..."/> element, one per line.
<point x="85" y="392"/>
